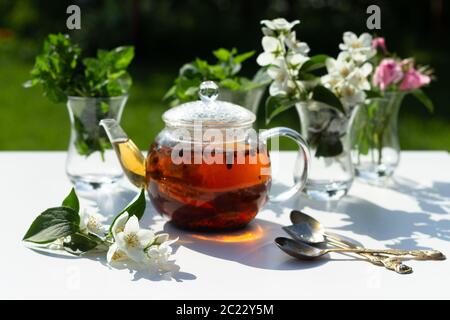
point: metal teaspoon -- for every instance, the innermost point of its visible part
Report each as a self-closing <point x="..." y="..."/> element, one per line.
<point x="309" y="230"/>
<point x="316" y="232"/>
<point x="304" y="251"/>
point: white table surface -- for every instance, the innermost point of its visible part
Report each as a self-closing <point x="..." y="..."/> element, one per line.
<point x="413" y="213"/>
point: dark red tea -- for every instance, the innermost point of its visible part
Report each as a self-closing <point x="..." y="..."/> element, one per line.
<point x="218" y="196"/>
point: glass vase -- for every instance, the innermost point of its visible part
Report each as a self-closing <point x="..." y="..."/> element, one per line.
<point x="91" y="163"/>
<point x="249" y="99"/>
<point x="375" y="147"/>
<point x="327" y="131"/>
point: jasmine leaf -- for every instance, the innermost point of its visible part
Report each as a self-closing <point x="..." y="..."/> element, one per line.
<point x="276" y="105"/>
<point x="79" y="244"/>
<point x="424" y="99"/>
<point x="322" y="94"/>
<point x="370" y="94"/>
<point x="329" y="145"/>
<point x="135" y="208"/>
<point x="52" y="224"/>
<point x="314" y="63"/>
<point x="71" y="201"/>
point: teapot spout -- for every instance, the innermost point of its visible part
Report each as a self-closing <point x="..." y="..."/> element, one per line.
<point x="130" y="157"/>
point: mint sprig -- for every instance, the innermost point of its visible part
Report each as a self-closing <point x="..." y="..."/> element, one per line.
<point x="225" y="71"/>
<point x="62" y="72"/>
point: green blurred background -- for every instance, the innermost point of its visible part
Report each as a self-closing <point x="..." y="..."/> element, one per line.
<point x="168" y="33"/>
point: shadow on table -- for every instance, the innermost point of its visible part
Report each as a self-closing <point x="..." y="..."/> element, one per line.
<point x="398" y="226"/>
<point x="434" y="199"/>
<point x="139" y="273"/>
<point x="252" y="246"/>
<point x="109" y="202"/>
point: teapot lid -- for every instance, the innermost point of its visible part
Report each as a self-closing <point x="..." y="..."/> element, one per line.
<point x="208" y="111"/>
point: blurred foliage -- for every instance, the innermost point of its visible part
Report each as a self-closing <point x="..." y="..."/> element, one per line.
<point x="169" y="33"/>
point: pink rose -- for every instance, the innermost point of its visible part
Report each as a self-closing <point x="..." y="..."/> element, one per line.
<point x="413" y="79"/>
<point x="387" y="72"/>
<point x="379" y="44"/>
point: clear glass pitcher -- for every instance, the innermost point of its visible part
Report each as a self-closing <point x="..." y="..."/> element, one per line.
<point x="208" y="169"/>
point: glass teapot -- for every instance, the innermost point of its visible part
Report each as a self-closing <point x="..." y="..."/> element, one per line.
<point x="208" y="169"/>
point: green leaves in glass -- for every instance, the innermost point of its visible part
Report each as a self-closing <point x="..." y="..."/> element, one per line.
<point x="225" y="71"/>
<point x="276" y="105"/>
<point x="424" y="99"/>
<point x="325" y="95"/>
<point x="57" y="68"/>
<point x="62" y="72"/>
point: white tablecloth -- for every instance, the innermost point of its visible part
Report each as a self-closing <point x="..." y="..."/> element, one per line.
<point x="413" y="213"/>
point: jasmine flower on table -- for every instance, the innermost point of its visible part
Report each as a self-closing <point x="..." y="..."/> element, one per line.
<point x="92" y="223"/>
<point x="139" y="245"/>
<point x="80" y="232"/>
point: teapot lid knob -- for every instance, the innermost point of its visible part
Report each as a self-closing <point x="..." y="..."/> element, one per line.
<point x="209" y="91"/>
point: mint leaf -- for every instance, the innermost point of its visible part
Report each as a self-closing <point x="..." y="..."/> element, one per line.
<point x="424" y="99"/>
<point x="122" y="57"/>
<point x="222" y="54"/>
<point x="135" y="208"/>
<point x="225" y="71"/>
<point x="71" y="201"/>
<point x="52" y="224"/>
<point x="79" y="244"/>
<point x="243" y="57"/>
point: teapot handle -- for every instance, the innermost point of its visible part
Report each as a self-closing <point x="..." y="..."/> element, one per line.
<point x="303" y="146"/>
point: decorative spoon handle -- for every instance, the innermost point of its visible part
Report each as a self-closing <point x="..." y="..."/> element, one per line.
<point x="395" y="265"/>
<point x="418" y="254"/>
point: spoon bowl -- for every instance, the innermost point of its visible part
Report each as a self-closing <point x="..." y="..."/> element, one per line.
<point x="299" y="250"/>
<point x="306" y="228"/>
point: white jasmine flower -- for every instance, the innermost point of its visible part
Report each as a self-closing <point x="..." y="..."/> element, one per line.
<point x="158" y="255"/>
<point x="160" y="238"/>
<point x="272" y="50"/>
<point x="280" y="24"/>
<point x="119" y="224"/>
<point x="331" y="81"/>
<point x="359" y="77"/>
<point x="92" y="223"/>
<point x="351" y="96"/>
<point x="360" y="48"/>
<point x="279" y="72"/>
<point x="58" y="244"/>
<point x="295" y="62"/>
<point x="341" y="67"/>
<point x="268" y="32"/>
<point x="115" y="255"/>
<point x="133" y="240"/>
<point x="295" y="45"/>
